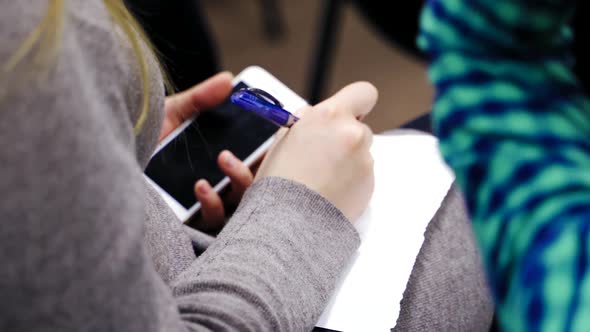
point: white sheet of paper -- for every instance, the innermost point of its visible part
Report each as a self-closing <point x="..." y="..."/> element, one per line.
<point x="411" y="180"/>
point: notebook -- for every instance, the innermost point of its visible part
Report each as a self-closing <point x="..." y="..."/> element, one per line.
<point x="411" y="181"/>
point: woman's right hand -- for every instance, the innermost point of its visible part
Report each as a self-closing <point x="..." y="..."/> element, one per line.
<point x="328" y="150"/>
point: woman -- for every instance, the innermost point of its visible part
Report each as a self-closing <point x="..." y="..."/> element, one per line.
<point x="87" y="245"/>
<point x="513" y="123"/>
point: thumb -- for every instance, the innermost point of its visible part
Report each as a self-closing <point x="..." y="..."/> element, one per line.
<point x="204" y="95"/>
<point x="184" y="105"/>
<point x="357" y="98"/>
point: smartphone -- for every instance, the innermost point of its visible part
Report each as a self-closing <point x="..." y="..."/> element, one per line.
<point x="190" y="152"/>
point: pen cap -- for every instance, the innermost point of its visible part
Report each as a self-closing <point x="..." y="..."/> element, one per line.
<point x="245" y="100"/>
<point x="261" y="107"/>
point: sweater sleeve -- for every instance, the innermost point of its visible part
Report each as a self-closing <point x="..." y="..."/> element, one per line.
<point x="73" y="213"/>
<point x="281" y="253"/>
<point x="514" y="126"/>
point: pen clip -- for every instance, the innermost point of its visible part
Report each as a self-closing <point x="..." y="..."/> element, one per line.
<point x="264" y="95"/>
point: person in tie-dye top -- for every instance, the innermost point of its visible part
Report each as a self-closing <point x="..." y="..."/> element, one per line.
<point x="514" y="125"/>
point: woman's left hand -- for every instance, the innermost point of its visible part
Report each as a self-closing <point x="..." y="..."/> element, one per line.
<point x="181" y="107"/>
<point x="186" y="104"/>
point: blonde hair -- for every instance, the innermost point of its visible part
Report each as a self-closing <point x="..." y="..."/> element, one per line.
<point x="46" y="36"/>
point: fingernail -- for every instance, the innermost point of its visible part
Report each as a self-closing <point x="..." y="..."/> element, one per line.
<point x="228" y="159"/>
<point x="227" y="73"/>
<point x="203" y="187"/>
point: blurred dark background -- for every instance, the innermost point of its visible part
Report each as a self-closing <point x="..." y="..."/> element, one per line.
<point x="361" y="52"/>
<point x="314" y="46"/>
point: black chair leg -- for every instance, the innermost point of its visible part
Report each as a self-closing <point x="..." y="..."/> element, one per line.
<point x="273" y="20"/>
<point x="326" y="43"/>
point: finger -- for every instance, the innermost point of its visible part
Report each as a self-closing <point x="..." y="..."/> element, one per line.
<point x="303" y="111"/>
<point x="184" y="105"/>
<point x="239" y="174"/>
<point x="367" y="136"/>
<point x="256" y="165"/>
<point x="212" y="210"/>
<point x="357" y="98"/>
<point x="280" y="134"/>
<point x="205" y="95"/>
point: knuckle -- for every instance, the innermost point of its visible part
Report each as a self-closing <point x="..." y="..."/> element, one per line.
<point x="366" y="166"/>
<point x="244" y="181"/>
<point x="367" y="129"/>
<point x="354" y="135"/>
<point x="330" y="112"/>
<point x="369" y="164"/>
<point x="241" y="170"/>
<point x="216" y="206"/>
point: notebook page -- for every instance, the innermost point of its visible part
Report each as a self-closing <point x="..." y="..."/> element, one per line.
<point x="411" y="180"/>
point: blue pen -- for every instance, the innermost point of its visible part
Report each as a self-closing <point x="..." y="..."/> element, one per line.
<point x="264" y="105"/>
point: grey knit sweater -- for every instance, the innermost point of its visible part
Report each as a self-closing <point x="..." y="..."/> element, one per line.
<point x="86" y="245"/>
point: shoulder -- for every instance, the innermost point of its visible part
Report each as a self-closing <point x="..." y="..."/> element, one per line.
<point x="94" y="63"/>
<point x="18" y="19"/>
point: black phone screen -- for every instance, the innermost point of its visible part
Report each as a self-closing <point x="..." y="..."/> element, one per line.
<point x="192" y="155"/>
